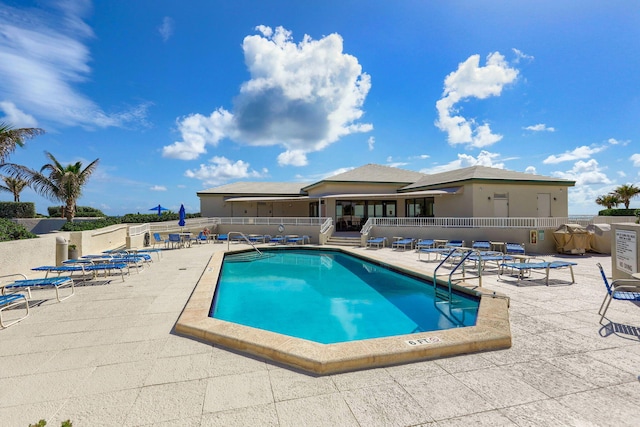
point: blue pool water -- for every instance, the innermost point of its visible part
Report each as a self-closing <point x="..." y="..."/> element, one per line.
<point x="331" y="297"/>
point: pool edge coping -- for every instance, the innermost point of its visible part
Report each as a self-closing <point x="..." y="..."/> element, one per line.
<point x="491" y="332"/>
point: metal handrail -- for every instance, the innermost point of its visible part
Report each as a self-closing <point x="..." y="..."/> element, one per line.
<point x="244" y="237"/>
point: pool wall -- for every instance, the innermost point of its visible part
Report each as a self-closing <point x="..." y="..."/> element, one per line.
<point x="491" y="332"/>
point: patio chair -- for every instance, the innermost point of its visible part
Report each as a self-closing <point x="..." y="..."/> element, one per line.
<point x="200" y="238"/>
<point x="402" y="242"/>
<point x="175" y="240"/>
<point x="619" y="289"/>
<point x="481" y="245"/>
<point x="377" y="241"/>
<point x="514" y="248"/>
<point x="157" y="240"/>
<point x="49" y="282"/>
<point x="9" y="301"/>
<point x="523" y="270"/>
<point x="425" y="244"/>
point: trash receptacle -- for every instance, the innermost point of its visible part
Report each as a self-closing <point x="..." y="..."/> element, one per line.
<point x="62" y="250"/>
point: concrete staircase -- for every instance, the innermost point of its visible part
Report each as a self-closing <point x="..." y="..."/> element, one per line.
<point x="344" y="241"/>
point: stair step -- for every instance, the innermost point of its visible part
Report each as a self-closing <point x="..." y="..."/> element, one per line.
<point x="344" y="241"/>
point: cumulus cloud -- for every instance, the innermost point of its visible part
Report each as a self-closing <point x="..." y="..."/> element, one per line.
<point x="301" y="96"/>
<point x="43" y="56"/>
<point x="484" y="158"/>
<point x="614" y="141"/>
<point x="540" y="127"/>
<point x="158" y="188"/>
<point x="635" y="158"/>
<point x="471" y="80"/>
<point x="584" y="173"/>
<point x="16" y="117"/>
<point x="220" y="170"/>
<point x="531" y="170"/>
<point x="166" y="28"/>
<point x="582" y="152"/>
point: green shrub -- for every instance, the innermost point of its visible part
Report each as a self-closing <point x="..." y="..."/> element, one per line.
<point x="9" y="230"/>
<point x="17" y="210"/>
<point x="81" y="211"/>
<point x="617" y="212"/>
<point x="91" y="225"/>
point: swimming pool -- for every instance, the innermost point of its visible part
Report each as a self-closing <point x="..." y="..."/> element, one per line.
<point x="490" y="332"/>
<point x="329" y="297"/>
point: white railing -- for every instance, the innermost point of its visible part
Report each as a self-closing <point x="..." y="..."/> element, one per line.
<point x="271" y="221"/>
<point x="531" y="223"/>
<point x="326" y="225"/>
<point x="366" y="228"/>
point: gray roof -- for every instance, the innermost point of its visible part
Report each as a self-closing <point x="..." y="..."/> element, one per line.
<point x="482" y="173"/>
<point x="372" y="173"/>
<point x="257" y="188"/>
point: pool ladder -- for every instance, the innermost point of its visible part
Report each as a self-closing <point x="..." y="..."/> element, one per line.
<point x="457" y="257"/>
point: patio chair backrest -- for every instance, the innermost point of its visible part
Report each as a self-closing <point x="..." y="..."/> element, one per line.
<point x="604" y="278"/>
<point x="174" y="237"/>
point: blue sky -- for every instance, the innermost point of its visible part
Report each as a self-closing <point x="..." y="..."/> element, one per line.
<point x="174" y="97"/>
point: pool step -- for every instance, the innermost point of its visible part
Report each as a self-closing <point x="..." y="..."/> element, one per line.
<point x="344" y="241"/>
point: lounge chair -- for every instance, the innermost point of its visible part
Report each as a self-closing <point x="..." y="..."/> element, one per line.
<point x="48" y="282"/>
<point x="454" y="243"/>
<point x="9" y="301"/>
<point x="482" y="257"/>
<point x="481" y="245"/>
<point x="514" y="248"/>
<point x="200" y="238"/>
<point x="175" y="240"/>
<point x="523" y="270"/>
<point x="402" y="242"/>
<point x="438" y="253"/>
<point x="425" y="244"/>
<point x="619" y="289"/>
<point x="377" y="241"/>
<point x="277" y="240"/>
<point x="157" y="240"/>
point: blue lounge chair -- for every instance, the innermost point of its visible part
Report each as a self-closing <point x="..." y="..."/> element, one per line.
<point x="425" y="244"/>
<point x="377" y="241"/>
<point x="403" y="242"/>
<point x="175" y="240"/>
<point x="277" y="240"/>
<point x="200" y="238"/>
<point x="9" y="301"/>
<point x="514" y="248"/>
<point x="523" y="270"/>
<point x="222" y="237"/>
<point x="620" y="289"/>
<point x="49" y="282"/>
<point x="454" y="243"/>
<point x="481" y="245"/>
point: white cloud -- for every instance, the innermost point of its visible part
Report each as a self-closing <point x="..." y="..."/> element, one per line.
<point x="197" y="131"/>
<point x="302" y="97"/>
<point x="531" y="170"/>
<point x="521" y="55"/>
<point x="166" y="28"/>
<point x="43" y="55"/>
<point x="635" y="158"/>
<point x="584" y="173"/>
<point x="540" y="127"/>
<point x="582" y="152"/>
<point x="471" y="80"/>
<point x="484" y="158"/>
<point x="614" y="141"/>
<point x="15" y="117"/>
<point x="221" y="170"/>
<point x="371" y="143"/>
<point x="293" y="158"/>
<point x="158" y="188"/>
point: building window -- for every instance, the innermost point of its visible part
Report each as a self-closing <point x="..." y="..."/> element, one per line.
<point x="422" y="207"/>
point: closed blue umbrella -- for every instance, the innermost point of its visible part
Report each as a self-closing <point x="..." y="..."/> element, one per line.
<point x="183" y="215"/>
<point x="159" y="209"/>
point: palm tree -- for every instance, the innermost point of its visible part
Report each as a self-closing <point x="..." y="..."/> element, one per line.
<point x="13" y="186"/>
<point x="62" y="183"/>
<point x="608" y="200"/>
<point x="11" y="137"/>
<point x="625" y="193"/>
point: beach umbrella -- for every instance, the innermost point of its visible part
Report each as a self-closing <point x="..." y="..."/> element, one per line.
<point x="182" y="215"/>
<point x="159" y="209"/>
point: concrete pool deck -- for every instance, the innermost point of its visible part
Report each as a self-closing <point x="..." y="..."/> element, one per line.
<point x="108" y="356"/>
